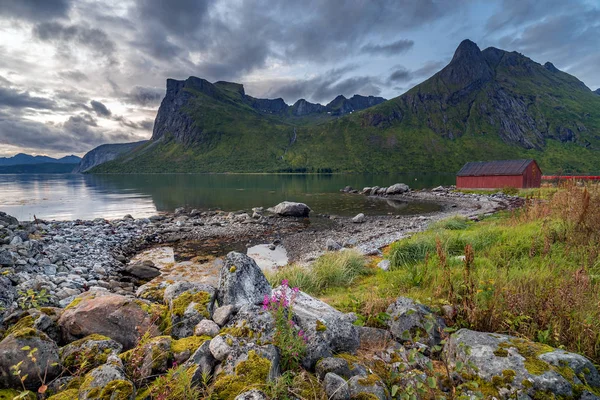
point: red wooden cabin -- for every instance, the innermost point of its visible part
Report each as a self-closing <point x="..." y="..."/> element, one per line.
<point x="499" y="174"/>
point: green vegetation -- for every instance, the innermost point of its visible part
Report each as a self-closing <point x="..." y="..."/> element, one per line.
<point x="335" y="269"/>
<point x="422" y="130"/>
<point x="533" y="273"/>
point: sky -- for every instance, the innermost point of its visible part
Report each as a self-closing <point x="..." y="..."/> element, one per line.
<point x="75" y="74"/>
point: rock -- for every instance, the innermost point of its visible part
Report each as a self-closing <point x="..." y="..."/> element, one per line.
<point x="107" y="382"/>
<point x="408" y="322"/>
<point x="241" y="281"/>
<point x="438" y="189"/>
<point x="15" y="348"/>
<point x="153" y="357"/>
<point x="252" y="395"/>
<point x="190" y="303"/>
<point x="8" y="294"/>
<point x="118" y="317"/>
<point x="7" y="220"/>
<point x="336" y="387"/>
<point x="511" y="362"/>
<point x="374" y="337"/>
<point x="359" y="218"/>
<point x="253" y="320"/>
<point x="144" y="270"/>
<point x="362" y="387"/>
<point x="332" y="245"/>
<point x="222" y="314"/>
<point x="92" y="350"/>
<point x="384" y="265"/>
<point x="291" y="209"/>
<point x="7" y="259"/>
<point x="338" y="366"/>
<point x="206" y="327"/>
<point x="204" y="360"/>
<point x="329" y="330"/>
<point x="219" y="348"/>
<point x="398" y="188"/>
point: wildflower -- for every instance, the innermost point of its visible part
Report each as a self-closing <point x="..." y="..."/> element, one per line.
<point x="284" y="283"/>
<point x="296" y="289"/>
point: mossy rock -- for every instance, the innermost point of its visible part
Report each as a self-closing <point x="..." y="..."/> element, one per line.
<point x="68" y="394"/>
<point x="114" y="390"/>
<point x="249" y="374"/>
<point x="189" y="344"/>
<point x="23" y="323"/>
<point x="10" y="394"/>
<point x="88" y="353"/>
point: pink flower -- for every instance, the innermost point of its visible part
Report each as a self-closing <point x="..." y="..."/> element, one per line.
<point x="301" y="333"/>
<point x="284" y="282"/>
<point x="296" y="289"/>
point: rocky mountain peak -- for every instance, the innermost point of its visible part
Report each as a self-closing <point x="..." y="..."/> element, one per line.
<point x="550" y="67"/>
<point x="468" y="66"/>
<point x="597" y="91"/>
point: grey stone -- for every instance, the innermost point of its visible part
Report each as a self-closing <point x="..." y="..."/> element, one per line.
<point x="338" y="366"/>
<point x="377" y="389"/>
<point x="482" y="351"/>
<point x="90" y="345"/>
<point x="184" y="325"/>
<point x="206" y="327"/>
<point x="336" y="387"/>
<point x="222" y="314"/>
<point x="291" y="209"/>
<point x="359" y="218"/>
<point x="384" y="265"/>
<point x="252" y="395"/>
<point x="398" y="188"/>
<point x="241" y="281"/>
<point x="374" y="337"/>
<point x="204" y="360"/>
<point x="332" y="245"/>
<point x="98" y="380"/>
<point x="143" y="270"/>
<point x="408" y="321"/>
<point x="219" y="348"/>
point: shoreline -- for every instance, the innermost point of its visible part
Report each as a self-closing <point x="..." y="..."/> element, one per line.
<point x="67" y="258"/>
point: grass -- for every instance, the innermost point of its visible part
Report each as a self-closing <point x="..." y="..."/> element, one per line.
<point x="332" y="270"/>
<point x="533" y="273"/>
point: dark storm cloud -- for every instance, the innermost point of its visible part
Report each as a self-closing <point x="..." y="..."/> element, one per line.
<point x="146" y="124"/>
<point x="75" y="135"/>
<point x="428" y="69"/>
<point x="34" y="10"/>
<point x="390" y="49"/>
<point x="401" y="74"/>
<point x="85" y="119"/>
<point x="14" y="98"/>
<point x="63" y="36"/>
<point x="326" y="87"/>
<point x="100" y="109"/>
<point x="144" y="96"/>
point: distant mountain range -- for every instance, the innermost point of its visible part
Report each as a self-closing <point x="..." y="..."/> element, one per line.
<point x="26" y="159"/>
<point x="28" y="164"/>
<point x="483" y="105"/>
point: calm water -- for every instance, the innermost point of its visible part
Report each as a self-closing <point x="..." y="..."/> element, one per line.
<point x="63" y="197"/>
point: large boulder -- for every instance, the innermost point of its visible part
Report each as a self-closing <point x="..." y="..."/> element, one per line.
<point x="15" y="348"/>
<point x="88" y="353"/>
<point x="241" y="281"/>
<point x="398" y="188"/>
<point x="120" y="318"/>
<point x="144" y="270"/>
<point x="203" y="361"/>
<point x="336" y="387"/>
<point x="411" y="321"/>
<point x="291" y="209"/>
<point x="369" y="387"/>
<point x="329" y="331"/>
<point x="517" y="366"/>
<point x="189" y="303"/>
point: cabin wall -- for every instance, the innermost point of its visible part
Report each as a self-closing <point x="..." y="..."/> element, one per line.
<point x="490" y="182"/>
<point x="532" y="178"/>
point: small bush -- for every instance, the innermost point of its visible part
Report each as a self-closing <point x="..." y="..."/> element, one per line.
<point x="510" y="191"/>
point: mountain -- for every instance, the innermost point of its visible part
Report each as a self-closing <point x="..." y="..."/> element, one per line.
<point x="40" y="168"/>
<point x="26" y="159"/>
<point x="104" y="153"/>
<point x="597" y="91"/>
<point x="483" y="105"/>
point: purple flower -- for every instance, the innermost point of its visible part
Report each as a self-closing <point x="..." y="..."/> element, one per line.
<point x="301" y="333"/>
<point x="284" y="282"/>
<point x="296" y="289"/>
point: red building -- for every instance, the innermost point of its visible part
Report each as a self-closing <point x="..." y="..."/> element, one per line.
<point x="499" y="174"/>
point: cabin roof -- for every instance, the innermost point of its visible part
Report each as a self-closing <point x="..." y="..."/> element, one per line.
<point x="485" y="168"/>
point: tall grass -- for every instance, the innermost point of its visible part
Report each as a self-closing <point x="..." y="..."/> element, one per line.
<point x="331" y="270"/>
<point x="534" y="273"/>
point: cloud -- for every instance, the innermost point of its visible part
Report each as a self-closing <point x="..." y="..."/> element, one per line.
<point x="390" y="49"/>
<point x="325" y="87"/>
<point x="63" y="36"/>
<point x="144" y="96"/>
<point x="35" y="10"/>
<point x="14" y="98"/>
<point x="100" y="109"/>
<point x="73" y="75"/>
<point x="146" y="124"/>
<point x="401" y="74"/>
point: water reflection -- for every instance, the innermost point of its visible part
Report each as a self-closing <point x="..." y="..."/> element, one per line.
<point x="112" y="196"/>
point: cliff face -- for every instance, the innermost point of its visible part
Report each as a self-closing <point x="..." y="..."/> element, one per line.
<point x="104" y="153"/>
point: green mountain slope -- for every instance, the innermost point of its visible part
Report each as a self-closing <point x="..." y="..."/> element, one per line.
<point x="483" y="105"/>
